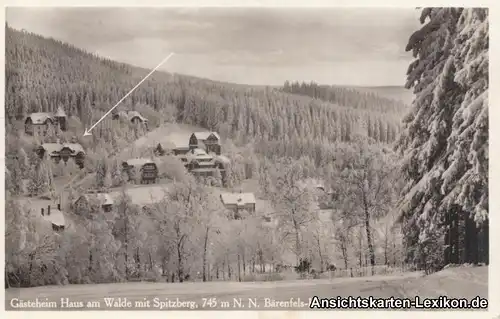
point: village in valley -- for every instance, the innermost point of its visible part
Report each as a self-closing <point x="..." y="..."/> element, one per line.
<point x="123" y="173"/>
<point x="200" y="153"/>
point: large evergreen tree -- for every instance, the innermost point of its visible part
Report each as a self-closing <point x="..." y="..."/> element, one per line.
<point x="446" y="136"/>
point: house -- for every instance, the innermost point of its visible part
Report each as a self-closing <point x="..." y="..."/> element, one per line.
<point x="51" y="150"/>
<point x="55" y="217"/>
<point x="176" y="144"/>
<point x="179" y="147"/>
<point x="105" y="201"/>
<point x="136" y="118"/>
<point x="199" y="163"/>
<point x="39" y="123"/>
<point x="133" y="116"/>
<point x="209" y="141"/>
<point x="75" y="151"/>
<point x="143" y="170"/>
<point x="58" y="151"/>
<point x="238" y="202"/>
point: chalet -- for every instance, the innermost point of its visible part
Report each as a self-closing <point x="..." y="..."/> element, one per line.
<point x="105" y="201"/>
<point x="238" y="202"/>
<point x="133" y="116"/>
<point x="199" y="163"/>
<point x="180" y="149"/>
<point x="39" y="123"/>
<point x="58" y="151"/>
<point x="176" y="144"/>
<point x="209" y="141"/>
<point x="75" y="151"/>
<point x="55" y="217"/>
<point x="51" y="150"/>
<point x="136" y="118"/>
<point x="141" y="169"/>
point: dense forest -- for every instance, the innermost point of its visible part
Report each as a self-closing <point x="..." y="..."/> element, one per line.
<point x="277" y="137"/>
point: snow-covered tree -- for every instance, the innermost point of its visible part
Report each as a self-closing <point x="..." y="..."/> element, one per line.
<point x="445" y="138"/>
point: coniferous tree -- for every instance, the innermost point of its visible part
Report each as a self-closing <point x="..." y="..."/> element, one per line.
<point x="436" y="138"/>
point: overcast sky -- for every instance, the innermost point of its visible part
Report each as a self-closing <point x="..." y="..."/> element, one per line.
<point x="244" y="45"/>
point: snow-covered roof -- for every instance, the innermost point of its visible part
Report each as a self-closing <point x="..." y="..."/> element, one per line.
<point x="139" y="161"/>
<point x="56" y="217"/>
<point x="52" y="149"/>
<point x="179" y="140"/>
<point x="239" y="199"/>
<point x="204" y="135"/>
<point x="133" y="114"/>
<point x="74" y="147"/>
<point x="40" y="117"/>
<point x="198" y="153"/>
<point x="101" y="198"/>
<point x="223" y="159"/>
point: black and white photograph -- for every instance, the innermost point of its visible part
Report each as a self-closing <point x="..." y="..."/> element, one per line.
<point x="247" y="158"/>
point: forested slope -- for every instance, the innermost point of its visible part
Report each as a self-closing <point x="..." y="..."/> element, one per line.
<point x="272" y="137"/>
<point x="42" y="74"/>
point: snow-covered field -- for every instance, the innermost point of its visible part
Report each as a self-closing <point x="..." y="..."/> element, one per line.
<point x="454" y="282"/>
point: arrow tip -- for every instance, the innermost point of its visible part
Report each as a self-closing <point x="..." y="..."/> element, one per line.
<point x="87" y="133"/>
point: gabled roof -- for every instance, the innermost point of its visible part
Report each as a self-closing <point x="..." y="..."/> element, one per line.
<point x="139" y="161"/>
<point x="52" y="149"/>
<point x="40" y="117"/>
<point x="204" y="135"/>
<point x="74" y="147"/>
<point x="239" y="199"/>
<point x="179" y="140"/>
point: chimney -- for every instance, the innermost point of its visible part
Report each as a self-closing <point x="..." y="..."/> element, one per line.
<point x="59" y="206"/>
<point x="43" y="213"/>
<point x="48" y="210"/>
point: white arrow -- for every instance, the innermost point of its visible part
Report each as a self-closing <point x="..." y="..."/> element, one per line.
<point x="87" y="131"/>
